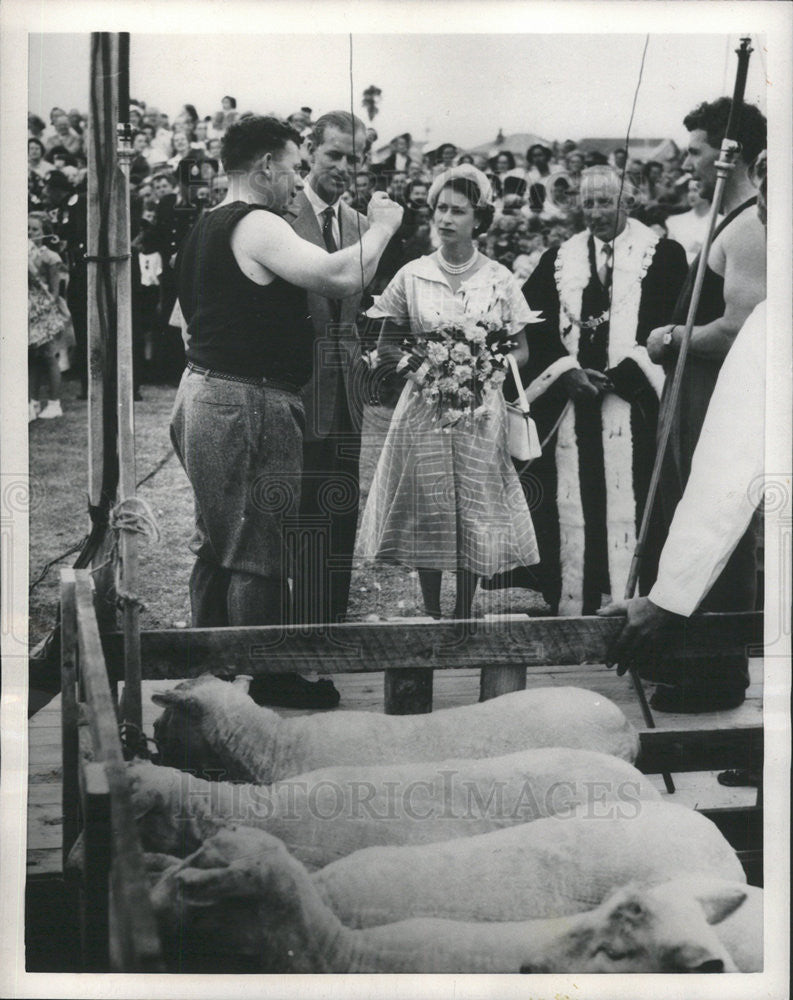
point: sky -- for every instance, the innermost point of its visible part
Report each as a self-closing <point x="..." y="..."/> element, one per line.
<point x="460" y="88"/>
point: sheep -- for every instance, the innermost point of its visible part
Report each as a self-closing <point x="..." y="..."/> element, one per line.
<point x="242" y="894"/>
<point x="329" y="813"/>
<point x="215" y="729"/>
<point x="551" y="867"/>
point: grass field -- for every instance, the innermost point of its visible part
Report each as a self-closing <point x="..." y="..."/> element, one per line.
<point x="59" y="520"/>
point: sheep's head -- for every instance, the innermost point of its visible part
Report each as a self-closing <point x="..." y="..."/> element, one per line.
<point x="156" y="794"/>
<point x="239" y="862"/>
<point x="648" y="929"/>
<point x="239" y="893"/>
<point x="187" y="734"/>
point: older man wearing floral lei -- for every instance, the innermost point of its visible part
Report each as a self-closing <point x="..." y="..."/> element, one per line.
<point x="601" y="293"/>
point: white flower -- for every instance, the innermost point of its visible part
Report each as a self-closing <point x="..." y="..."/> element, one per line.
<point x="437" y="353"/>
<point x="460" y="353"/>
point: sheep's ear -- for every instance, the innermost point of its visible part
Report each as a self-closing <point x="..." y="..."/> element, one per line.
<point x="719" y="902"/>
<point x="204" y="887"/>
<point x="168" y="698"/>
<point x="243" y="681"/>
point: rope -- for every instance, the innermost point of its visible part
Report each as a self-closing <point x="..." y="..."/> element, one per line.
<point x="135" y="742"/>
<point x="133" y="514"/>
<point x="98" y="515"/>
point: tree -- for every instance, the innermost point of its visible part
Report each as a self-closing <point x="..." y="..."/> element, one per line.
<point x="371" y="100"/>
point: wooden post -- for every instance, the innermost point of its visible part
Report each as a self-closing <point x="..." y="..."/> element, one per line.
<point x="95" y="797"/>
<point x="70" y="789"/>
<point x="131" y="707"/>
<point x="110" y="842"/>
<point x="408" y="691"/>
<point x="494" y="681"/>
<point x="101" y="312"/>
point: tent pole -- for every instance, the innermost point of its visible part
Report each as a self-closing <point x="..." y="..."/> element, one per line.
<point x="131" y="708"/>
<point x="100" y="346"/>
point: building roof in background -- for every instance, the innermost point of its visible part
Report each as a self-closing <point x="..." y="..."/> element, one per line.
<point x="516" y="142"/>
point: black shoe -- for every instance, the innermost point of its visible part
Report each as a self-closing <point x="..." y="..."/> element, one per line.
<point x="293" y="691"/>
<point x="739" y="777"/>
<point x="690" y="700"/>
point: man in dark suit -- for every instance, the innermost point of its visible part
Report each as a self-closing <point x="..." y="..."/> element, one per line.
<point x="399" y="160"/>
<point x="334" y="398"/>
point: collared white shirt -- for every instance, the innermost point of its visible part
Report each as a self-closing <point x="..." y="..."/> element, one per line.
<point x="319" y="207"/>
<point x="725" y="483"/>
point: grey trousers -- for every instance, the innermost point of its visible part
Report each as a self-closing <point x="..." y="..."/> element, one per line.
<point x="241" y="447"/>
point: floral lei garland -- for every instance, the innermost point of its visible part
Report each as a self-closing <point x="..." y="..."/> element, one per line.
<point x="572" y="275"/>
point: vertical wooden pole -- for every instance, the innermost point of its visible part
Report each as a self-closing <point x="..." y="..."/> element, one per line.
<point x="69" y="737"/>
<point x="96" y="869"/>
<point x="408" y="691"/>
<point x="131" y="708"/>
<point x="101" y="315"/>
<point x="494" y="681"/>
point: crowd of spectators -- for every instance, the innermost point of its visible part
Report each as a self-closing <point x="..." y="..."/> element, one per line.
<point x="176" y="173"/>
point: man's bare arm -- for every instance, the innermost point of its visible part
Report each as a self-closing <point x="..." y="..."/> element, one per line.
<point x="269" y="241"/>
<point x="741" y="259"/>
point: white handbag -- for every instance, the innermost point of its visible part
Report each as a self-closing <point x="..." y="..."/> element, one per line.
<point x="522" y="437"/>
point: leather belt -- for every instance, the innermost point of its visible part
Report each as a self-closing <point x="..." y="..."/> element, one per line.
<point x="261" y="382"/>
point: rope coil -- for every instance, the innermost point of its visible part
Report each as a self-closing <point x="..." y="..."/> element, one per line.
<point x="135" y="515"/>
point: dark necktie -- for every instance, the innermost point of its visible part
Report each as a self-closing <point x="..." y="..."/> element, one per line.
<point x="608" y="263"/>
<point x="330" y="246"/>
<point x="327" y="230"/>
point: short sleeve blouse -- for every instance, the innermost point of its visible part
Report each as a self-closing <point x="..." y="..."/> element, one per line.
<point x="420" y="294"/>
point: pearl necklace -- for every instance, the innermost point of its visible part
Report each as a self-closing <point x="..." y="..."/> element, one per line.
<point x="456" y="268"/>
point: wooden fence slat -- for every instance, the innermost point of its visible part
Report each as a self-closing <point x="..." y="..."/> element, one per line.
<point x="494" y="681"/>
<point x="69" y="737"/>
<point x="134" y="921"/>
<point x="365" y="646"/>
<point x="95" y="802"/>
<point x="407" y="692"/>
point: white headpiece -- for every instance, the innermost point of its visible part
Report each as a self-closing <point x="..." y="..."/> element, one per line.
<point x="470" y="173"/>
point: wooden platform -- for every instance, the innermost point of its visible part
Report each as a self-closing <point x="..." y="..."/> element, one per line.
<point x="364" y="692"/>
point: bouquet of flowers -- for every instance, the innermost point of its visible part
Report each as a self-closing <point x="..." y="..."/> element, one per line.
<point x="454" y="364"/>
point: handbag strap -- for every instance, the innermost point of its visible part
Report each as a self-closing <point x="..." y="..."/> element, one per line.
<point x="524" y="403"/>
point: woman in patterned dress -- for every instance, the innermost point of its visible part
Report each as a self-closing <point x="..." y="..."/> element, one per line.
<point x="449" y="498"/>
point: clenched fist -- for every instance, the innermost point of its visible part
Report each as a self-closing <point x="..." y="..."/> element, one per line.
<point x="382" y="211"/>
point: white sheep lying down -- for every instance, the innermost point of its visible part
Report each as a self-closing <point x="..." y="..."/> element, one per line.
<point x="329" y="813"/>
<point x="242" y="893"/>
<point x="212" y="726"/>
<point x="551" y="867"/>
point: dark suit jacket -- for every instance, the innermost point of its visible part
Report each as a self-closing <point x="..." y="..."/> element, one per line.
<point x="334" y="347"/>
<point x="388" y="165"/>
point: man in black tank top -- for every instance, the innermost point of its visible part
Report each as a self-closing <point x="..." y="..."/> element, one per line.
<point x="237" y="424"/>
<point x="734" y="285"/>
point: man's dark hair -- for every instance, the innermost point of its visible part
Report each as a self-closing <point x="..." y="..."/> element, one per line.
<point x="164" y="175"/>
<point x="249" y="138"/>
<point x="411" y="185"/>
<point x="342" y="120"/>
<point x="711" y="118"/>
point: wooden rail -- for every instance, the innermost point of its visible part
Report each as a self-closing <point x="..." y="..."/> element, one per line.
<point x="501" y="649"/>
<point x="118" y="928"/>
